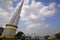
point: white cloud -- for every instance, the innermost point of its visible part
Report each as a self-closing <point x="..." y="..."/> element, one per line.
<point x="5" y="10"/>
<point x="26" y="2"/>
<point x="36" y="28"/>
<point x="48" y="10"/>
<point x="3" y="13"/>
<point x="37" y="10"/>
<point x="6" y="5"/>
<point x="34" y="14"/>
<point x="36" y="25"/>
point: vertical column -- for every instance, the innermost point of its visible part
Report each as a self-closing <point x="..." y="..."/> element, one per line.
<point x="10" y="30"/>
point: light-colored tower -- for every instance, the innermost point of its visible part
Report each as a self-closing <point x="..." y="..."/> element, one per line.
<point x="11" y="27"/>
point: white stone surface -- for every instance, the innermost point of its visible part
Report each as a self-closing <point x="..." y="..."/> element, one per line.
<point x="14" y="21"/>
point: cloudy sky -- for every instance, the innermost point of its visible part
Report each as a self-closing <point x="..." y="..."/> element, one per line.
<point x="37" y="16"/>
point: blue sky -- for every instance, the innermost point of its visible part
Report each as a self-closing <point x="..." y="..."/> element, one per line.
<point x="37" y="16"/>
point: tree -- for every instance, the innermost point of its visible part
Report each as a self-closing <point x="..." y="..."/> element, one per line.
<point x="46" y="37"/>
<point x="57" y="35"/>
<point x="19" y="35"/>
<point x="49" y="37"/>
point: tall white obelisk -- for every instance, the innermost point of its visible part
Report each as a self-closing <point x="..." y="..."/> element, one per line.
<point x="11" y="27"/>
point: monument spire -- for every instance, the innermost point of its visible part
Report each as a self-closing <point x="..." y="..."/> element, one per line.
<point x="11" y="27"/>
<point x="14" y="20"/>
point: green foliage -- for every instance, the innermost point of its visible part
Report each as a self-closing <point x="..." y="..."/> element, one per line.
<point x="19" y="34"/>
<point x="57" y="35"/>
<point x="46" y="37"/>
